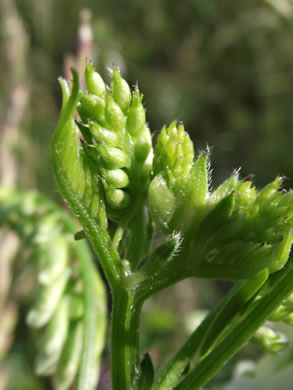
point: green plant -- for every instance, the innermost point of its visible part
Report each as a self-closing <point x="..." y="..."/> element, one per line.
<point x="67" y="311"/>
<point x="106" y="170"/>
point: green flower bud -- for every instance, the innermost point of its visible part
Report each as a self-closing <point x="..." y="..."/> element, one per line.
<point x="115" y="177"/>
<point x="91" y="107"/>
<point x="174" y="150"/>
<point x="268" y="191"/>
<point x="269" y="340"/>
<point x="113" y="157"/>
<point x="94" y="81"/>
<point x="183" y="181"/>
<point x="245" y="194"/>
<point x="281" y="252"/>
<point x="136" y="115"/>
<point x="143" y="145"/>
<point x="120" y="89"/>
<point x="162" y="202"/>
<point x="101" y="134"/>
<point x="199" y="180"/>
<point x="117" y="199"/>
<point x="114" y="115"/>
<point x="286" y="201"/>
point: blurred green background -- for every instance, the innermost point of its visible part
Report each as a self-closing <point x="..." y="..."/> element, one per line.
<point x="224" y="68"/>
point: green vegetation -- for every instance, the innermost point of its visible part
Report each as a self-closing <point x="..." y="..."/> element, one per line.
<point x="225" y="70"/>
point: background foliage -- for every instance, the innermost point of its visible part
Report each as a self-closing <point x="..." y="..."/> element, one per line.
<point x="225" y="68"/>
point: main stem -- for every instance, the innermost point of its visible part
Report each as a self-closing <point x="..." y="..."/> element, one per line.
<point x="125" y="338"/>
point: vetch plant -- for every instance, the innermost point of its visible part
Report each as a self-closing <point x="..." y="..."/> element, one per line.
<point x="106" y="170"/>
<point x="67" y="315"/>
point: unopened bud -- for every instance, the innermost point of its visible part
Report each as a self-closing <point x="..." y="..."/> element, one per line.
<point x="143" y="145"/>
<point x="268" y="191"/>
<point x="174" y="151"/>
<point x="162" y="202"/>
<point x="114" y="115"/>
<point x="94" y="81"/>
<point x="117" y="199"/>
<point x="92" y="107"/>
<point x="115" y="177"/>
<point x="101" y="134"/>
<point x="113" y="157"/>
<point x="120" y="89"/>
<point x="136" y="115"/>
<point x="224" y="189"/>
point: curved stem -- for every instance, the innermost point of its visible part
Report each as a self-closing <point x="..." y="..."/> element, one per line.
<point x="125" y="338"/>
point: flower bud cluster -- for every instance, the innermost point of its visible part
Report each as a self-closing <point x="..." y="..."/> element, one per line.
<point x="117" y="138"/>
<point x="57" y="310"/>
<point x="179" y="186"/>
<point x="245" y="230"/>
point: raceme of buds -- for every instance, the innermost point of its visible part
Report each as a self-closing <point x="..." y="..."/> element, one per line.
<point x="57" y="311"/>
<point x="179" y="188"/>
<point x="245" y="230"/>
<point x="117" y="139"/>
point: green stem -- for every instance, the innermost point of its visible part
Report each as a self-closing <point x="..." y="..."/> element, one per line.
<point x="225" y="350"/>
<point x="137" y="233"/>
<point x="183" y="358"/>
<point x="210" y="328"/>
<point x="125" y="338"/>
